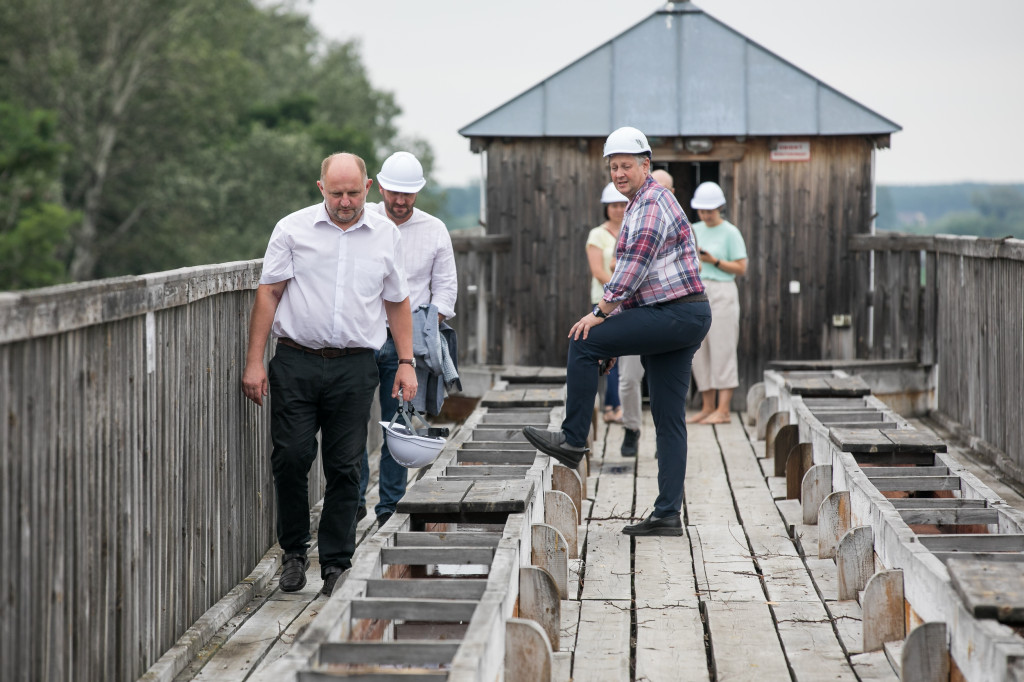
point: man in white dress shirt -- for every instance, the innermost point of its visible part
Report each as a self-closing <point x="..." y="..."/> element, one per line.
<point x="429" y="265"/>
<point x="331" y="275"/>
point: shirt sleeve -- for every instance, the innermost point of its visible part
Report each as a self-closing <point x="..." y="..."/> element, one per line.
<point x="737" y="247"/>
<point x="396" y="288"/>
<point x="444" y="280"/>
<point x="278" y="264"/>
<point x="638" y="254"/>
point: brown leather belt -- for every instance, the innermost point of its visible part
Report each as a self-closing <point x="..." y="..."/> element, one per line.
<point x="323" y="352"/>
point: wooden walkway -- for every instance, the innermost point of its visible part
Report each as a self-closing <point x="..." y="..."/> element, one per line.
<point x="733" y="599"/>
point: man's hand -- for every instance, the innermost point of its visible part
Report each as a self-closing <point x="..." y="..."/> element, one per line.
<point x="254" y="383"/>
<point x="586" y="323"/>
<point x="405" y="383"/>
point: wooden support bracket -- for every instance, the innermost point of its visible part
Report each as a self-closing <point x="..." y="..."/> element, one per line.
<point x="786" y="438"/>
<point x="815" y="487"/>
<point x="755" y="394"/>
<point x="799" y="460"/>
<point x="527" y="652"/>
<point x="883" y="610"/>
<point x="833" y="522"/>
<point x="925" y="655"/>
<point x="538" y="601"/>
<point x="560" y="512"/>
<point x="569" y="482"/>
<point x="768" y="407"/>
<point x="855" y="561"/>
<point x="550" y="552"/>
<point x="771" y="432"/>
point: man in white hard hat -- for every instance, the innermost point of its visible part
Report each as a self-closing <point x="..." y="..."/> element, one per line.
<point x="429" y="264"/>
<point x="662" y="314"/>
<point x="330" y="278"/>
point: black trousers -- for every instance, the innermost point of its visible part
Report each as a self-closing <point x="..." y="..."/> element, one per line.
<point x="309" y="393"/>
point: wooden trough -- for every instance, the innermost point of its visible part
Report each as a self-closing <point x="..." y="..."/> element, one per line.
<point x="891" y="505"/>
<point x="464" y="581"/>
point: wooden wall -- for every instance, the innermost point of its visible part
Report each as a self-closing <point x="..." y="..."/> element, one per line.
<point x="135" y="483"/>
<point x="957" y="302"/>
<point x="795" y="218"/>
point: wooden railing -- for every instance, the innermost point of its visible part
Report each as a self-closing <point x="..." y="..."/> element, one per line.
<point x="479" y="321"/>
<point x="135" y="483"/>
<point x="957" y="303"/>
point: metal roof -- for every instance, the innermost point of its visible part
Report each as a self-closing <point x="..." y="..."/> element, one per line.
<point x="721" y="83"/>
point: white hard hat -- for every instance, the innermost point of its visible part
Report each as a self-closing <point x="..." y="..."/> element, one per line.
<point x="626" y="140"/>
<point x="610" y="195"/>
<point x="708" y="196"/>
<point x="408" y="449"/>
<point x="401" y="172"/>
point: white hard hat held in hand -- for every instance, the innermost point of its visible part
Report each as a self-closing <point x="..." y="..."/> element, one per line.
<point x="401" y="172"/>
<point x="626" y="140"/>
<point x="708" y="197"/>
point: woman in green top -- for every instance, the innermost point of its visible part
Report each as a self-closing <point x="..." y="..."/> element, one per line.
<point x="601" y="256"/>
<point x="723" y="256"/>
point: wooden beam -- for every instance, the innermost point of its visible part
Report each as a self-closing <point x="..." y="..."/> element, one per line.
<point x="539" y="601"/>
<point x="855" y="561"/>
<point x="440" y="610"/>
<point x="799" y="460"/>
<point x="833" y="522"/>
<point x="527" y="652"/>
<point x="569" y="482"/>
<point x="769" y="406"/>
<point x="561" y="513"/>
<point x="550" y="552"/>
<point x="925" y="655"/>
<point x="779" y="447"/>
<point x="815" y="487"/>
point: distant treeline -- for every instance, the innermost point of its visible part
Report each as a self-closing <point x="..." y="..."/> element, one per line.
<point x="983" y="210"/>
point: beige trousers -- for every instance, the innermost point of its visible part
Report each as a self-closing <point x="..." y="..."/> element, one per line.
<point x="714" y="364"/>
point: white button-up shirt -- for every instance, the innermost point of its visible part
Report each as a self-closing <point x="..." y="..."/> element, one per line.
<point x="338" y="279"/>
<point x="427" y="260"/>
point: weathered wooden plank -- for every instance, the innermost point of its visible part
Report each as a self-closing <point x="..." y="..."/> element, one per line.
<point x="769" y="406"/>
<point x="497" y="446"/>
<point x="861" y="440"/>
<point x="907" y="440"/>
<point x="883" y="609"/>
<point x="561" y="513"/>
<point x="855" y="561"/>
<point x="438" y="610"/>
<point x="799" y="460"/>
<point x="915" y="483"/>
<point x="663" y="573"/>
<point x="787" y="438"/>
<point x="422" y="556"/>
<point x="434" y="496"/>
<point x="427" y="588"/>
<point x="725" y="569"/>
<point x="527" y="652"/>
<point x="670" y="645"/>
<point x="744" y="643"/>
<point x="755" y="394"/>
<point x="496" y="457"/>
<point x="406" y="653"/>
<point x="989" y="589"/>
<point x="924" y="655"/>
<point x="568" y="481"/>
<point x="811" y="646"/>
<point x="246" y="648"/>
<point x="833" y="522"/>
<point x="814" y="488"/>
<point x="539" y="601"/>
<point x="608" y="574"/>
<point x="867" y="416"/>
<point x="1001" y="542"/>
<point x="446" y="539"/>
<point x="602" y="644"/>
<point x="549" y="551"/>
<point x="776" y="423"/>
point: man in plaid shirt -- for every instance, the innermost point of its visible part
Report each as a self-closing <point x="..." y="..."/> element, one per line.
<point x="661" y="314"/>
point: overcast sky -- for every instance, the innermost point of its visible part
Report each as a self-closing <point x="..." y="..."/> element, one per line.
<point x="950" y="72"/>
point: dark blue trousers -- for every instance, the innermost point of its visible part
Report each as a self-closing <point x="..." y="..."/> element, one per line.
<point x="665" y="337"/>
<point x="309" y="393"/>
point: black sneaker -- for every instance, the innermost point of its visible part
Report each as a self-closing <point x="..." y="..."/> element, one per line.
<point x="552" y="443"/>
<point x="331" y="576"/>
<point x="383" y="518"/>
<point x="653" y="525"/>
<point x="630" y="443"/>
<point x="293" y="572"/>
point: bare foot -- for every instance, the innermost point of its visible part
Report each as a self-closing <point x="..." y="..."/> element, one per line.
<point x="716" y="418"/>
<point x="699" y="418"/>
<point x="613" y="415"/>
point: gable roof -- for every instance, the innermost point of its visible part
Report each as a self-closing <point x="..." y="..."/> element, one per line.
<point x="721" y="83"/>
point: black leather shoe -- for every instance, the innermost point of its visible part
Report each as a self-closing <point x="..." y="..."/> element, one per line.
<point x="630" y="443"/>
<point x="653" y="525"/>
<point x="331" y="576"/>
<point x="293" y="572"/>
<point x="383" y="518"/>
<point x="552" y="443"/>
<point x="360" y="513"/>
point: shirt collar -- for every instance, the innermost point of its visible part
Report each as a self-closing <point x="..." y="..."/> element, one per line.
<point x="643" y="190"/>
<point x="323" y="217"/>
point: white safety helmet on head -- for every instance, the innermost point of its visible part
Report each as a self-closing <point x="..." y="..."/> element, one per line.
<point x="708" y="196"/>
<point x="626" y="140"/>
<point x="610" y="195"/>
<point x="401" y="172"/>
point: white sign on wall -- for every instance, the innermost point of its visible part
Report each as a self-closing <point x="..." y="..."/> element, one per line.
<point x="791" y="151"/>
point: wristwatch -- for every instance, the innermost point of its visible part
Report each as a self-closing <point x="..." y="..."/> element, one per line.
<point x="597" y="312"/>
<point x="408" y="361"/>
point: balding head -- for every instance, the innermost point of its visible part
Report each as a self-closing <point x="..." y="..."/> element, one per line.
<point x="344" y="184"/>
<point x="343" y="158"/>
<point x="664" y="179"/>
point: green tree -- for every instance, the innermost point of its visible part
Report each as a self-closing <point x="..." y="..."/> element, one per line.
<point x="33" y="229"/>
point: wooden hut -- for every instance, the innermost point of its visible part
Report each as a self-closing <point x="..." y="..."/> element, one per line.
<point x="793" y="155"/>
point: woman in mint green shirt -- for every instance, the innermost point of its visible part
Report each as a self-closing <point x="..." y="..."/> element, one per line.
<point x="723" y="256"/>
